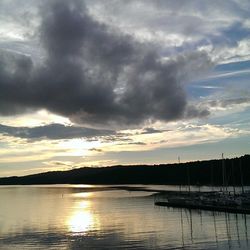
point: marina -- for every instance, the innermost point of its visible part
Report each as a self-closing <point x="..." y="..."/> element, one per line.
<point x="227" y="199"/>
<point x="212" y="201"/>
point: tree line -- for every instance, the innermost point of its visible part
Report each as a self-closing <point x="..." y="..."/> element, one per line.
<point x="234" y="171"/>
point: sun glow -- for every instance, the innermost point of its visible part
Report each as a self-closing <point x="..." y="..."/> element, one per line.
<point x="82" y="220"/>
<point x="39" y="118"/>
<point x="78" y="147"/>
<point x="83" y="195"/>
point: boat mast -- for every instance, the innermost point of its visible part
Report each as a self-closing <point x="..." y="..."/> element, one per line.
<point x="212" y="176"/>
<point x="223" y="173"/>
<point x="188" y="176"/>
<point x="233" y="177"/>
<point x="241" y="177"/>
<point x="179" y="161"/>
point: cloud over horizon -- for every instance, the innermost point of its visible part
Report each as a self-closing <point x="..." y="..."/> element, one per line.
<point x="53" y="132"/>
<point x="96" y="75"/>
<point x="122" y="81"/>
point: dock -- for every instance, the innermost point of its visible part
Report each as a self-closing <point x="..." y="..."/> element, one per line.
<point x="210" y="201"/>
<point x="236" y="210"/>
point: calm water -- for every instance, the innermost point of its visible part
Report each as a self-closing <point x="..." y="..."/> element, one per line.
<point x="82" y="217"/>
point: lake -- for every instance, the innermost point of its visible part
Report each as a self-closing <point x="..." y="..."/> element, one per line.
<point x="98" y="217"/>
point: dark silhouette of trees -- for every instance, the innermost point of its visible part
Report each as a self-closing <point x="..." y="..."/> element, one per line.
<point x="237" y="172"/>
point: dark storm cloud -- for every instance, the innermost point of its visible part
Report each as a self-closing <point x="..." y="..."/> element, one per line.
<point x="53" y="132"/>
<point x="95" y="75"/>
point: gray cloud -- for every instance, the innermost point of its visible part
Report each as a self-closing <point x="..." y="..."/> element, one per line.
<point x="53" y="132"/>
<point x="229" y="102"/>
<point x="139" y="143"/>
<point x="159" y="142"/>
<point x="218" y="26"/>
<point x="95" y="75"/>
<point x="96" y="150"/>
<point x="152" y="131"/>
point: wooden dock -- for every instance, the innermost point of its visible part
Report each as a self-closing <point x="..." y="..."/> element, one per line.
<point x="227" y="209"/>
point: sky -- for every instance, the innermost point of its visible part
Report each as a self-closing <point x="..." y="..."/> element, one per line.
<point x="102" y="83"/>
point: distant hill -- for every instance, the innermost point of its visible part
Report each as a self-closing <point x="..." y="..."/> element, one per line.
<point x="236" y="172"/>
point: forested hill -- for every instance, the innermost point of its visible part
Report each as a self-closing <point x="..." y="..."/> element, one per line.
<point x="236" y="172"/>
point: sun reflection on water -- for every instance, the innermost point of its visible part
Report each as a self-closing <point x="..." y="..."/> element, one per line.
<point x="82" y="195"/>
<point x="82" y="220"/>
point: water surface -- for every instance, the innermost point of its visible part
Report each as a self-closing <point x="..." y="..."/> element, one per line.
<point x="95" y="217"/>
